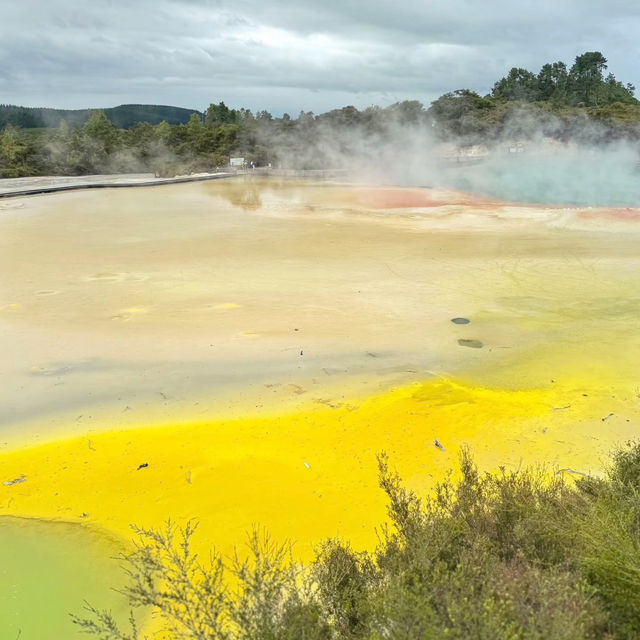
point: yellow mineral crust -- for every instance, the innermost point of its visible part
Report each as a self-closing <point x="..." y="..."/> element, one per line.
<point x="307" y="475"/>
<point x="239" y="352"/>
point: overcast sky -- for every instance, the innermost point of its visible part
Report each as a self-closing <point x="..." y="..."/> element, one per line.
<point x="292" y="55"/>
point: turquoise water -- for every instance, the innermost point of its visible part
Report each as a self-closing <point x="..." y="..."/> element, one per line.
<point x="607" y="177"/>
<point x="47" y="570"/>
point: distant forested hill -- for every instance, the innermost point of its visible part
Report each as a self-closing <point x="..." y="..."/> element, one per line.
<point x="577" y="103"/>
<point x="124" y="117"/>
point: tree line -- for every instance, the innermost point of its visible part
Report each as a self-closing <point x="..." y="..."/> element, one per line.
<point x="583" y="84"/>
<point x="577" y="103"/>
<point x="204" y="143"/>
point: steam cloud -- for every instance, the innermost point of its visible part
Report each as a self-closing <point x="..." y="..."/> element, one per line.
<point x="528" y="163"/>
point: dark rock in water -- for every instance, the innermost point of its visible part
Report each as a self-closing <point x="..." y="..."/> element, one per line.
<point x="460" y="320"/>
<point x="474" y="344"/>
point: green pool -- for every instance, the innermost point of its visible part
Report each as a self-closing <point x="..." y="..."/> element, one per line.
<point x="47" y="570"/>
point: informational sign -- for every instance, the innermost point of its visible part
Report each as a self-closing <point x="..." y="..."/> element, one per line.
<point x="236" y="162"/>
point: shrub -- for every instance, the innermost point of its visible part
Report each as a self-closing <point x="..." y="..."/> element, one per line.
<point x="521" y="555"/>
<point x="193" y="600"/>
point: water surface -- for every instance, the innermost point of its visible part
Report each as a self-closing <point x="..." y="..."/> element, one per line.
<point x="240" y="351"/>
<point x="46" y="571"/>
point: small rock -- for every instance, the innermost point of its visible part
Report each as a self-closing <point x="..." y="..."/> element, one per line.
<point x="460" y="320"/>
<point x="474" y="344"/>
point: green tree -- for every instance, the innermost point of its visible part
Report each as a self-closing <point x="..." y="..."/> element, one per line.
<point x="264" y="116"/>
<point x="244" y="115"/>
<point x="345" y="117"/>
<point x="611" y="90"/>
<point x="519" y="84"/>
<point x="17" y="154"/>
<point x="585" y="77"/>
<point x="219" y="114"/>
<point x="76" y="152"/>
<point x="99" y="128"/>
<point x="462" y="113"/>
<point x="195" y="129"/>
<point x="224" y="138"/>
<point x="408" y="112"/>
<point x="552" y="82"/>
<point x="163" y="131"/>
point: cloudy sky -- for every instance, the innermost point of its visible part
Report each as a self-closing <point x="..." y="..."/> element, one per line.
<point x="288" y="55"/>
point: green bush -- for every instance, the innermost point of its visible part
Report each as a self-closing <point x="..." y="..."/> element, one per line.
<point x="519" y="555"/>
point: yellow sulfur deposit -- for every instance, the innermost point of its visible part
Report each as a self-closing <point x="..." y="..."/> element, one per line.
<point x="239" y="352"/>
<point x="307" y="475"/>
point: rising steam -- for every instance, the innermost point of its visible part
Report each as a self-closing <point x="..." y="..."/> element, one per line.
<point x="524" y="164"/>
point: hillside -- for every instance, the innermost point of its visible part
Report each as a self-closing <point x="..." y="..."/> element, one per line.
<point x="123" y="116"/>
<point x="560" y="103"/>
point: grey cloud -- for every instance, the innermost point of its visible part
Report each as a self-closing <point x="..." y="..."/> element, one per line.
<point x="274" y="53"/>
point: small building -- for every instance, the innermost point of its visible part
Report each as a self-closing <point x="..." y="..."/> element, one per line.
<point x="516" y="147"/>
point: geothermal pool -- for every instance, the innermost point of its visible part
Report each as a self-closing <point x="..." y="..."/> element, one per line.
<point x="239" y="351"/>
